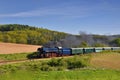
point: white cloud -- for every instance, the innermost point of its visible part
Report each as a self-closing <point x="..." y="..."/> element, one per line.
<point x="64" y="11"/>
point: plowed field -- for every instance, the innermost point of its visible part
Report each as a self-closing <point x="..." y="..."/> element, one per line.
<point x="10" y="48"/>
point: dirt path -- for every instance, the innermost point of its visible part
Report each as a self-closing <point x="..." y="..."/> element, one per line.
<point x="20" y="61"/>
<point x="10" y="48"/>
<point x="11" y="62"/>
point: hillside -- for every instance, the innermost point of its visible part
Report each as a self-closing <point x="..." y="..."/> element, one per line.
<point x="17" y="33"/>
<point x="7" y="48"/>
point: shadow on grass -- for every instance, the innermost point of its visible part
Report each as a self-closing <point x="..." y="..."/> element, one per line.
<point x="32" y="56"/>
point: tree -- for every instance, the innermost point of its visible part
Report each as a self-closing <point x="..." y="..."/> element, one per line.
<point x="1" y="37"/>
<point x="99" y="45"/>
<point x="116" y="42"/>
<point x="83" y="44"/>
<point x="6" y="38"/>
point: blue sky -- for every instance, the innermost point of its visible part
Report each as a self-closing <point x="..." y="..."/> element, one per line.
<point x="71" y="16"/>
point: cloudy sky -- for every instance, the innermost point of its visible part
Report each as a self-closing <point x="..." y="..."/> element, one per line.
<point x="71" y="16"/>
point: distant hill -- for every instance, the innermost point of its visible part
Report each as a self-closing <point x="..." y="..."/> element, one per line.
<point x="25" y="34"/>
<point x="17" y="33"/>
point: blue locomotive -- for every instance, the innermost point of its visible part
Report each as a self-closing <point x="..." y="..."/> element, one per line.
<point x="59" y="51"/>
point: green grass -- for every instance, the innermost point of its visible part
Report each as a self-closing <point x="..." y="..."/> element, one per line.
<point x="32" y="71"/>
<point x="72" y="68"/>
<point x="17" y="56"/>
<point x="62" y="75"/>
<point x="110" y="52"/>
<point x="49" y="65"/>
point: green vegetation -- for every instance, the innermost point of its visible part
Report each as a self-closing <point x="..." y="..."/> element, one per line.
<point x="69" y="63"/>
<point x="83" y="44"/>
<point x="116" y="42"/>
<point x="63" y="75"/>
<point x="25" y="34"/>
<point x="35" y="70"/>
<point x="110" y="52"/>
<point x="70" y="68"/>
<point x="49" y="65"/>
<point x="99" y="45"/>
<point x="20" y="56"/>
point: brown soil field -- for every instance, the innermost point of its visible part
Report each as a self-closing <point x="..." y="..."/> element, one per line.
<point x="10" y="48"/>
<point x="109" y="61"/>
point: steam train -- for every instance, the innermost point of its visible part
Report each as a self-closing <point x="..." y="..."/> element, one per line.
<point x="44" y="52"/>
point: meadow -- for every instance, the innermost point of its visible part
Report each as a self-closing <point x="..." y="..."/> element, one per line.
<point x="62" y="75"/>
<point x="101" y="66"/>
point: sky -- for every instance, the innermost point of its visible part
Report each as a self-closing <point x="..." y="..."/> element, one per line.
<point x="70" y="16"/>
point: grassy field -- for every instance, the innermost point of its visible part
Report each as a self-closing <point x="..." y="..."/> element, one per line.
<point x="108" y="60"/>
<point x="102" y="66"/>
<point x="62" y="75"/>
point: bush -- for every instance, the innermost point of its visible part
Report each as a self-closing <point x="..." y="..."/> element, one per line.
<point x="57" y="62"/>
<point x="61" y="68"/>
<point x="47" y="68"/>
<point x="77" y="62"/>
<point x="69" y="63"/>
<point x="51" y="65"/>
<point x="62" y="62"/>
<point x="53" y="62"/>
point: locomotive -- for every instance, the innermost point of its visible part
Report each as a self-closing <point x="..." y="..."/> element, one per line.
<point x="45" y="52"/>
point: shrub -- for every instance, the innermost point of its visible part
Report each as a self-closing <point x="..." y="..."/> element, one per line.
<point x="61" y="68"/>
<point x="62" y="62"/>
<point x="47" y="68"/>
<point x="53" y="62"/>
<point x="70" y="63"/>
<point x="77" y="62"/>
<point x="57" y="62"/>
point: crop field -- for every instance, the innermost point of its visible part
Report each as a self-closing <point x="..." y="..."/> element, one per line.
<point x="10" y="48"/>
<point x="109" y="61"/>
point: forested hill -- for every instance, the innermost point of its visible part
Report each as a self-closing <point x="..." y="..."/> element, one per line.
<point x="16" y="33"/>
